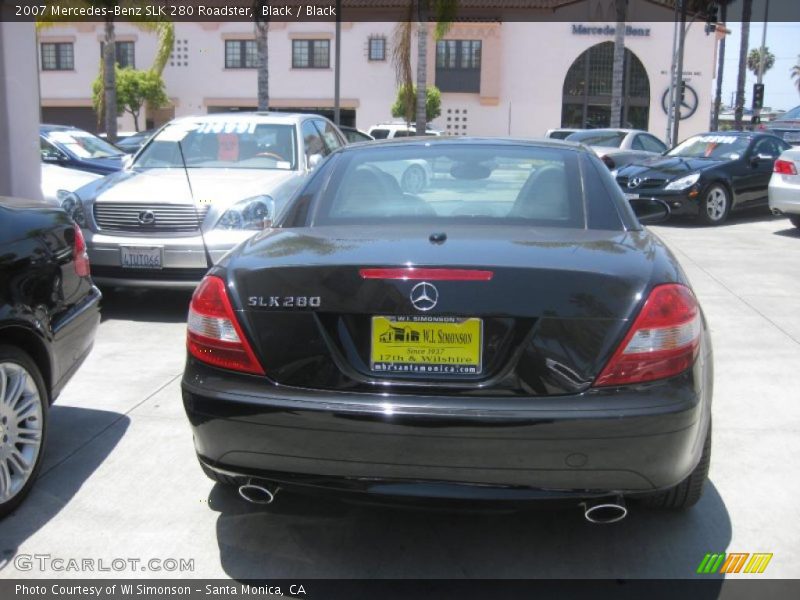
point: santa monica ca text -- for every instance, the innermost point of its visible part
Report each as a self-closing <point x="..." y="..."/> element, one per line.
<point x="141" y="589"/>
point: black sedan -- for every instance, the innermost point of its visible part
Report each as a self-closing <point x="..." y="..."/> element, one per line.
<point x="707" y="175"/>
<point x="49" y="312"/>
<point x="78" y="149"/>
<point x="510" y="333"/>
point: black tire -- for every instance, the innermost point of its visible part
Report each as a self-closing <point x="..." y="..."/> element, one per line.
<point x="715" y="204"/>
<point x="12" y="354"/>
<point x="795" y="219"/>
<point x="413" y="180"/>
<point x="689" y="491"/>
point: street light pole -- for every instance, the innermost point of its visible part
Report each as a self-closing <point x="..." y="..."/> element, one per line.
<point x="676" y="119"/>
<point x="337" y="65"/>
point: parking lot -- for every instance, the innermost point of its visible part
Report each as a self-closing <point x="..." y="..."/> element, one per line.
<point x="120" y="478"/>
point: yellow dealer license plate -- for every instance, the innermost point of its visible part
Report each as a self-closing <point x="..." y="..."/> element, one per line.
<point x="426" y="345"/>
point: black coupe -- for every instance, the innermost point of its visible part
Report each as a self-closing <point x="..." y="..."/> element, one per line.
<point x="707" y="175"/>
<point x="510" y="333"/>
<point x="49" y="312"/>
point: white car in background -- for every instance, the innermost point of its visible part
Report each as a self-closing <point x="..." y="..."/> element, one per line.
<point x="619" y="147"/>
<point x="199" y="187"/>
<point x="58" y="182"/>
<point x="784" y="186"/>
<point x="396" y="129"/>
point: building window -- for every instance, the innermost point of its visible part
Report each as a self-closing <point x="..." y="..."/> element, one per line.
<point x="311" y="54"/>
<point x="377" y="48"/>
<point x="586" y="96"/>
<point x="125" y="54"/>
<point x="458" y="65"/>
<point x="241" y="54"/>
<point x="179" y="57"/>
<point x="58" y="57"/>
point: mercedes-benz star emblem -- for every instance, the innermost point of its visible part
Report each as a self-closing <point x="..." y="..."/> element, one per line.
<point x="634" y="182"/>
<point x="147" y="217"/>
<point x="424" y="296"/>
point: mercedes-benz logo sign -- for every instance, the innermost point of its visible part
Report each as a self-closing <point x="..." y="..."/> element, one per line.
<point x="424" y="296"/>
<point x="634" y="182"/>
<point x="688" y="104"/>
<point x="147" y="217"/>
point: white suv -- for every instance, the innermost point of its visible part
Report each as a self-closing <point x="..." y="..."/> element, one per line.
<point x="384" y="131"/>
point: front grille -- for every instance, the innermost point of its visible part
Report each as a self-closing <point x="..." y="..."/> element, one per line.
<point x="646" y="184"/>
<point x="148" y="274"/>
<point x="148" y="218"/>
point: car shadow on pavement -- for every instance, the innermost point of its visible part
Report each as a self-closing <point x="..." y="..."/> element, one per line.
<point x="67" y="465"/>
<point x="748" y="215"/>
<point x="791" y="232"/>
<point x="311" y="537"/>
<point x="156" y="306"/>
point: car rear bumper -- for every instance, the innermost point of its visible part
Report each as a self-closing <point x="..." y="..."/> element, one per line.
<point x="784" y="194"/>
<point x="73" y="338"/>
<point x="624" y="441"/>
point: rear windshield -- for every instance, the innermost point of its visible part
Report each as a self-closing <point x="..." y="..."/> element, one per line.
<point x="443" y="183"/>
<point x="83" y="144"/>
<point x="606" y="139"/>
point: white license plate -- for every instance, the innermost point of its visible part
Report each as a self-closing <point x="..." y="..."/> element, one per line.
<point x="141" y="257"/>
<point x="631" y="196"/>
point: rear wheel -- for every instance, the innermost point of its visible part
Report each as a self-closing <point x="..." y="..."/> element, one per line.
<point x="795" y="219"/>
<point x="413" y="180"/>
<point x="23" y="412"/>
<point x="689" y="491"/>
<point x="715" y="205"/>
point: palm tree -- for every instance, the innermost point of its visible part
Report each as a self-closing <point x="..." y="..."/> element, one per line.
<point x="796" y="73"/>
<point x="444" y="12"/>
<point x="262" y="49"/>
<point x="723" y="18"/>
<point x="618" y="69"/>
<point x="754" y="60"/>
<point x="747" y="12"/>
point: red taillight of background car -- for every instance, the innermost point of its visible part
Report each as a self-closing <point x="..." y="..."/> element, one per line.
<point x="663" y="340"/>
<point x="81" y="258"/>
<point x="785" y="167"/>
<point x="213" y="333"/>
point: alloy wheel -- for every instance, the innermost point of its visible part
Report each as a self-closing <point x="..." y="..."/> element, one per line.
<point x="20" y="428"/>
<point x="716" y="204"/>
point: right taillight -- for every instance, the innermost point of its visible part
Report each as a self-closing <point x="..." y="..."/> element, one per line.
<point x="663" y="340"/>
<point x="213" y="333"/>
<point x="81" y="258"/>
<point x="785" y="167"/>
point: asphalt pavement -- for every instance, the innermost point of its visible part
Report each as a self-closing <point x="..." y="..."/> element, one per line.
<point x="120" y="479"/>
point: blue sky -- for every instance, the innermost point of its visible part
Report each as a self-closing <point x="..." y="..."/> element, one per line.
<point x="783" y="40"/>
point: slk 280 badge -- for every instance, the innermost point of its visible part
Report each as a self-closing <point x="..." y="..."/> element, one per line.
<point x="285" y="301"/>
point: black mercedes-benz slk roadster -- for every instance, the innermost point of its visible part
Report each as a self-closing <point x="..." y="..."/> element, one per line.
<point x="509" y="333"/>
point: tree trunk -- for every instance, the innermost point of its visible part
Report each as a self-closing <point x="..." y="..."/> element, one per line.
<point x="618" y="71"/>
<point x="262" y="48"/>
<point x="422" y="76"/>
<point x="723" y="17"/>
<point x="110" y="81"/>
<point x="747" y="11"/>
<point x="135" y="120"/>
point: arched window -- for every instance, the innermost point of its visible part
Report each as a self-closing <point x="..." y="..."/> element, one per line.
<point x="586" y="101"/>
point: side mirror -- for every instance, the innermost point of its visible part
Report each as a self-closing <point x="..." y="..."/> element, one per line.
<point x="313" y="161"/>
<point x="650" y="211"/>
<point x="759" y="158"/>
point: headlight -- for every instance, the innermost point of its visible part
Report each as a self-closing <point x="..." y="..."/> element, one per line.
<point x="73" y="206"/>
<point x="683" y="182"/>
<point x="252" y="213"/>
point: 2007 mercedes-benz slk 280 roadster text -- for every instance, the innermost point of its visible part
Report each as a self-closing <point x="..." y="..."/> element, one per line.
<point x="511" y="333"/>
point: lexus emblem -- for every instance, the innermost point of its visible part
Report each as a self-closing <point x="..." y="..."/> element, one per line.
<point x="424" y="296"/>
<point x="634" y="182"/>
<point x="147" y="217"/>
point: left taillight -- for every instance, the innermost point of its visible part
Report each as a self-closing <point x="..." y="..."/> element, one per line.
<point x="81" y="258"/>
<point x="784" y="167"/>
<point x="662" y="342"/>
<point x="213" y="332"/>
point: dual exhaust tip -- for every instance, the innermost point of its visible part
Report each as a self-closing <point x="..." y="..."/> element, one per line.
<point x="603" y="511"/>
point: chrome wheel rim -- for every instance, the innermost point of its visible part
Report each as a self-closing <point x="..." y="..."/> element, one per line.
<point x="20" y="428"/>
<point x="413" y="179"/>
<point x="716" y="203"/>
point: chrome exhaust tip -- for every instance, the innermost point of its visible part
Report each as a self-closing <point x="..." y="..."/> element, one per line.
<point x="605" y="512"/>
<point x="257" y="494"/>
